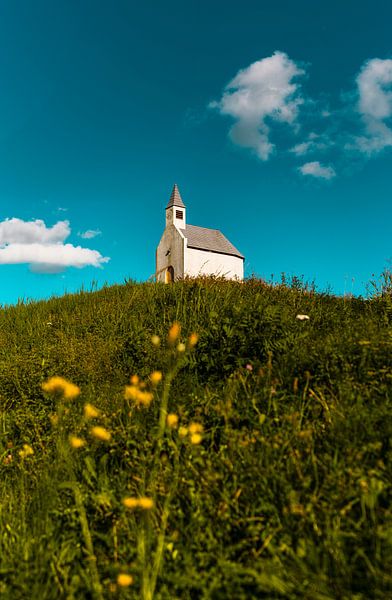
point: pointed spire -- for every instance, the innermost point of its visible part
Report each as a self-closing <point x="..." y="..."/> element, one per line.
<point x="175" y="198"/>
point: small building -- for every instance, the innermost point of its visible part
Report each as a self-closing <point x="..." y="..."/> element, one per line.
<point x="191" y="251"/>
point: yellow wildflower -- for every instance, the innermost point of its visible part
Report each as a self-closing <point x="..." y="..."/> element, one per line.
<point x="131" y="392"/>
<point x="172" y="420"/>
<point x="193" y="339"/>
<point x="131" y="502"/>
<point x="156" y="377"/>
<point x="174" y="333"/>
<point x="76" y="442"/>
<point x="138" y="396"/>
<point x="100" y="433"/>
<point x="155" y="340"/>
<point x="134" y="380"/>
<point x="26" y="451"/>
<point x="181" y="348"/>
<point x="183" y="431"/>
<point x="124" y="580"/>
<point x="90" y="412"/>
<point x="195" y="428"/>
<point x="196" y="438"/>
<point x="146" y="503"/>
<point x="59" y="384"/>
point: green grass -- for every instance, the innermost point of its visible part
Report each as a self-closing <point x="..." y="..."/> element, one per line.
<point x="288" y="495"/>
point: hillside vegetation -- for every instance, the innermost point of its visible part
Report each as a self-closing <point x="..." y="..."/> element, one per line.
<point x="271" y="477"/>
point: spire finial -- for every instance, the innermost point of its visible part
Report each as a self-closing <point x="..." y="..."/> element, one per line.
<point x="175" y="198"/>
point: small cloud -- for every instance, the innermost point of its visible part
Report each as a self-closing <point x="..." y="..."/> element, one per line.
<point x="260" y="94"/>
<point x="61" y="209"/>
<point x="314" y="143"/>
<point x="315" y="169"/>
<point x="89" y="234"/>
<point x="302" y="148"/>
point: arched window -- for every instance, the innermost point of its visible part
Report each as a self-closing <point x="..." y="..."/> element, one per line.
<point x="169" y="275"/>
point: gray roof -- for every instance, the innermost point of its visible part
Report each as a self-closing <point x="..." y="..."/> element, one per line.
<point x="212" y="240"/>
<point x="175" y="198"/>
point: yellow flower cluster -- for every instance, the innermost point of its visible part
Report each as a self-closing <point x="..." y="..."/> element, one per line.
<point x="26" y="451"/>
<point x="138" y="396"/>
<point x="59" y="384"/>
<point x="145" y="503"/>
<point x="194" y="430"/>
<point x="137" y="393"/>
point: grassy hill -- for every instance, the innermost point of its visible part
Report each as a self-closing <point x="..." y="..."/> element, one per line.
<point x="271" y="478"/>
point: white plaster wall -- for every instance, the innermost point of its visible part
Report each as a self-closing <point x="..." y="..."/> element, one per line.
<point x="172" y="240"/>
<point x="202" y="262"/>
<point x="171" y="218"/>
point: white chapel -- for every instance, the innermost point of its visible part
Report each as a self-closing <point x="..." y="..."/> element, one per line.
<point x="189" y="250"/>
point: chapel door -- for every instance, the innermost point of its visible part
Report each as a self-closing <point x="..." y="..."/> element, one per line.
<point x="169" y="277"/>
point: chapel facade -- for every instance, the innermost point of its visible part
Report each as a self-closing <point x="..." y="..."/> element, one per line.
<point x="191" y="251"/>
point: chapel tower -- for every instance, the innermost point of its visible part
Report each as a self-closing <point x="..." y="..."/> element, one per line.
<point x="175" y="209"/>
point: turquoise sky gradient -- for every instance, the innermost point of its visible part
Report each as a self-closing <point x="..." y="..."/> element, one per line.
<point x="104" y="105"/>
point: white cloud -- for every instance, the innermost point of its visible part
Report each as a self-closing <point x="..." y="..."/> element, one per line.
<point x="265" y="90"/>
<point x="374" y="84"/>
<point x="27" y="232"/>
<point x="315" y="169"/>
<point x="89" y="234"/>
<point x="43" y="247"/>
<point x="59" y="255"/>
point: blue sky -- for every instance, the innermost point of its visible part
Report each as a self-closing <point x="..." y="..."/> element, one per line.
<point x="275" y="120"/>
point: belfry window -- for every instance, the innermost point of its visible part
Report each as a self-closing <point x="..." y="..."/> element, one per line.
<point x="179" y="214"/>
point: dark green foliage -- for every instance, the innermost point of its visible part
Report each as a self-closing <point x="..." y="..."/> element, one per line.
<point x="287" y="497"/>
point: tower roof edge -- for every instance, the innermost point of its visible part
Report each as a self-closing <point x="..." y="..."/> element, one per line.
<point x="175" y="198"/>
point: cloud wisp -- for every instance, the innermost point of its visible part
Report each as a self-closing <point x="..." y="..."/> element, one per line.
<point x="89" y="234"/>
<point x="265" y="92"/>
<point x="315" y="169"/>
<point x="42" y="247"/>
